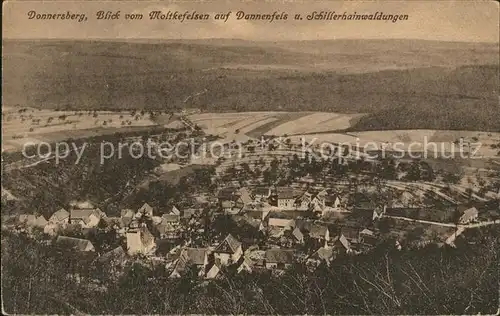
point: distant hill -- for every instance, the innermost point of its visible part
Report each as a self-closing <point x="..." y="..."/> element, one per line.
<point x="400" y="83"/>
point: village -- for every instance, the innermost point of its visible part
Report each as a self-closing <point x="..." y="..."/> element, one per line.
<point x="252" y="228"/>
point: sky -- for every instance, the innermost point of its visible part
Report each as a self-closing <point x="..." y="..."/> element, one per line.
<point x="443" y="20"/>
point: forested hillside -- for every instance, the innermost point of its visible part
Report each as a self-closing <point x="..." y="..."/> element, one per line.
<point x="413" y="84"/>
<point x="428" y="281"/>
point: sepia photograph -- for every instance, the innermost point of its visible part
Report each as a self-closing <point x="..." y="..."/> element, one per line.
<point x="240" y="157"/>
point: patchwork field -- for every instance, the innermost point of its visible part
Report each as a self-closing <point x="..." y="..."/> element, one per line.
<point x="315" y="123"/>
<point x="256" y="124"/>
<point x="242" y="126"/>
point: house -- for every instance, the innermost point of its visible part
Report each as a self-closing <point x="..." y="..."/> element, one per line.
<point x="145" y="210"/>
<point x="244" y="196"/>
<point x="366" y="232"/>
<point x="341" y="244"/>
<point x="281" y="223"/>
<point x="214" y="270"/>
<point x="140" y="241"/>
<point x="298" y="235"/>
<point x="60" y="217"/>
<point x="155" y="220"/>
<point x="116" y="255"/>
<point x="261" y="193"/>
<point x="368" y="237"/>
<point x="279" y="258"/>
<point x="86" y="218"/>
<point x="197" y="257"/>
<point x="325" y="254"/>
<point x="246" y="219"/>
<point x="305" y="200"/>
<point x="286" y="198"/>
<point x="77" y="244"/>
<point x="171" y="218"/>
<point x="166" y="230"/>
<point x="232" y="207"/>
<point x="378" y="213"/>
<point x="469" y="215"/>
<point x="229" y="251"/>
<point x="245" y="264"/>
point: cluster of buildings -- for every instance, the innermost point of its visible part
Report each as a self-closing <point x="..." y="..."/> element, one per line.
<point x="291" y="225"/>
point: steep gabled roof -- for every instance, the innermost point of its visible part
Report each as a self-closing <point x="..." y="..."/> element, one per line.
<point x="228" y="245"/>
<point x="298" y="234"/>
<point x="145" y="209"/>
<point x="175" y="211"/>
<point x="60" y="215"/>
<point x="83" y="215"/>
<point x="145" y="235"/>
<point x="116" y="254"/>
<point x="74" y="243"/>
<point x="343" y="240"/>
<point x="323" y="254"/>
<point x="245" y="195"/>
<point x="367" y="232"/>
<point x="194" y="255"/>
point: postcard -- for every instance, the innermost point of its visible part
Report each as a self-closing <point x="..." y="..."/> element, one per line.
<point x="227" y="157"/>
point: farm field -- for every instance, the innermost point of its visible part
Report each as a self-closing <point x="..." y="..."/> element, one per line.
<point x="321" y="127"/>
<point x="242" y="126"/>
<point x="315" y="123"/>
<point x="256" y="124"/>
<point x="36" y="126"/>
